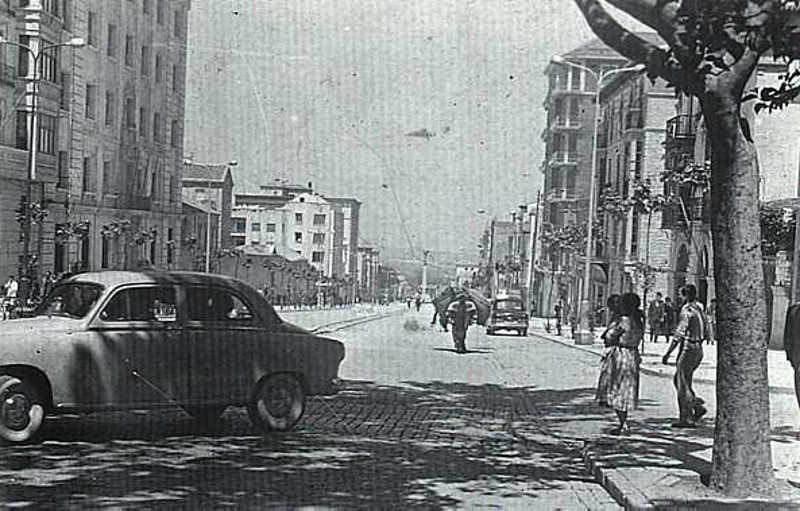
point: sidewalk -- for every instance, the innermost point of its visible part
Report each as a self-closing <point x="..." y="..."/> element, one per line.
<point x="781" y="376"/>
<point x="656" y="467"/>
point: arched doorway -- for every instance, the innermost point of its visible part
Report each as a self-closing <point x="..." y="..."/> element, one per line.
<point x="702" y="287"/>
<point x="681" y="269"/>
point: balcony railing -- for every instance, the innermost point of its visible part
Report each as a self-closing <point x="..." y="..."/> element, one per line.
<point x="559" y="194"/>
<point x="634" y="120"/>
<point x="139" y="202"/>
<point x="697" y="210"/>
<point x="680" y="127"/>
<point x="566" y="122"/>
<point x="563" y="158"/>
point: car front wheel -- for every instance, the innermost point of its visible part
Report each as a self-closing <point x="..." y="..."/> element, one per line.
<point x="21" y="410"/>
<point x="278" y="402"/>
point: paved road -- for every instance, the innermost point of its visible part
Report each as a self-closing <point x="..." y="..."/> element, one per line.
<point x="417" y="426"/>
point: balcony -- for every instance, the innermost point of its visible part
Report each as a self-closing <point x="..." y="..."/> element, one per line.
<point x="634" y="119"/>
<point x="697" y="211"/>
<point x="561" y="122"/>
<point x="561" y="194"/>
<point x="138" y="202"/>
<point x="563" y="158"/>
<point x="681" y="131"/>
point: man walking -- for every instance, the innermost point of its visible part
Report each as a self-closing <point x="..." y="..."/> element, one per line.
<point x="461" y="315"/>
<point x="655" y="317"/>
<point x="690" y="333"/>
<point x="10" y="291"/>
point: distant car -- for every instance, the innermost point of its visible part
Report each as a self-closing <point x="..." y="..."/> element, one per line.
<point x="141" y="340"/>
<point x="507" y="313"/>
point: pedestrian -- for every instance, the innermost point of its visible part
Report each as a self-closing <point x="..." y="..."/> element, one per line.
<point x="690" y="333"/>
<point x="655" y="317"/>
<point x="791" y="344"/>
<point x="417" y="302"/>
<point x="461" y="316"/>
<point x="47" y="283"/>
<point x="669" y="318"/>
<point x="712" y="321"/>
<point x="624" y="360"/>
<point x="408" y="302"/>
<point x="605" y="361"/>
<point x="10" y="292"/>
<point x="558" y="316"/>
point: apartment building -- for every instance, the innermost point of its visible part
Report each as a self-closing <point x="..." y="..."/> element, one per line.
<point x="109" y="136"/>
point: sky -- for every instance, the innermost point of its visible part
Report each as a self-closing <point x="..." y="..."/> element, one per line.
<point x="327" y="91"/>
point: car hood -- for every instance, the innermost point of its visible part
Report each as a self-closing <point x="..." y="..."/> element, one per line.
<point x="294" y="329"/>
<point x="39" y="324"/>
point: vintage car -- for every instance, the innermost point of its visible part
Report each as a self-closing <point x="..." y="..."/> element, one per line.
<point x="507" y="313"/>
<point x="140" y="340"/>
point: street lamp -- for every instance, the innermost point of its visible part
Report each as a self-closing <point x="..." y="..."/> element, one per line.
<point x="582" y="335"/>
<point x="33" y="142"/>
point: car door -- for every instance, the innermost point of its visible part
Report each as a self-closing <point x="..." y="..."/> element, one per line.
<point x="140" y="325"/>
<point x="223" y="334"/>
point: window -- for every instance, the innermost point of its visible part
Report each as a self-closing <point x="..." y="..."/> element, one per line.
<point x="319" y="219"/>
<point x="239" y="225"/>
<point x="270" y="227"/>
<point x="104" y="252"/>
<point x="170" y="243"/>
<point x="66" y="90"/>
<point x="151" y="304"/>
<point x="89" y="177"/>
<point x="317" y="257"/>
<point x="111" y="108"/>
<point x="175" y="78"/>
<point x="91" y="100"/>
<point x="158" y="131"/>
<point x="212" y="305"/>
<point x="298" y="237"/>
<point x="160" y="12"/>
<point x="22" y="129"/>
<point x="62" y="170"/>
<point x="255" y="227"/>
<point x="107" y="177"/>
<point x="319" y="238"/>
<point x="145" y="6"/>
<point x="91" y="29"/>
<point x="48" y="66"/>
<point x="176" y="27"/>
<point x="130" y="113"/>
<point x="143" y="122"/>
<point x="175" y="134"/>
<point x="159" y="70"/>
<point x="129" y="50"/>
<point x="145" y="64"/>
<point x="47" y="134"/>
<point x="111" y="43"/>
<point x="298" y="218"/>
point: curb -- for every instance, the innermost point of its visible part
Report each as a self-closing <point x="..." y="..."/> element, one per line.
<point x="650" y="371"/>
<point x="336" y="326"/>
<point x="625" y="493"/>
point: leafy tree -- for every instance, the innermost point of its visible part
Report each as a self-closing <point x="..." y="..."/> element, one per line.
<point x="712" y="49"/>
<point x="777" y="230"/>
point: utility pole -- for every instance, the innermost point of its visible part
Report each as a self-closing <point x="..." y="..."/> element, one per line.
<point x="534" y="217"/>
<point x="425" y="255"/>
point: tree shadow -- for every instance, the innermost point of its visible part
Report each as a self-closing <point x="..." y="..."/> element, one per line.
<point x="413" y="446"/>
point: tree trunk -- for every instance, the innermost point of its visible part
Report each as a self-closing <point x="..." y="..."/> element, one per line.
<point x="742" y="460"/>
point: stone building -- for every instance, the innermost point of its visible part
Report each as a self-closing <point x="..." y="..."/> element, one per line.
<point x="106" y="180"/>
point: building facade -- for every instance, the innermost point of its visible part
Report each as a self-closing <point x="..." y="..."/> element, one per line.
<point x="109" y="133"/>
<point x="211" y="188"/>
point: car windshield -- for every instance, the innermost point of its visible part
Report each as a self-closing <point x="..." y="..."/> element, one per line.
<point x="508" y="305"/>
<point x="72" y="299"/>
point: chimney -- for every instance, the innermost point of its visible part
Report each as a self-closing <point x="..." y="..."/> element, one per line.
<point x="310" y="186"/>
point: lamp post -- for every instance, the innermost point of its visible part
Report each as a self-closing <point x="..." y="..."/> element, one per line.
<point x="583" y="335"/>
<point x="36" y="52"/>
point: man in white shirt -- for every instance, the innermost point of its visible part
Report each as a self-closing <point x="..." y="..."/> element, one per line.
<point x="10" y="291"/>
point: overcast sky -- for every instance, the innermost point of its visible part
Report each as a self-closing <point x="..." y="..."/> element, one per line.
<point x="326" y="91"/>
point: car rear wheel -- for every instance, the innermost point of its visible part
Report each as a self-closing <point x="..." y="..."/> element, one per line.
<point x="524" y="332"/>
<point x="21" y="410"/>
<point x="489" y="331"/>
<point x="278" y="402"/>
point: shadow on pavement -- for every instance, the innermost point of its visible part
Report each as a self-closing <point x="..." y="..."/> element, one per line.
<point x="411" y="446"/>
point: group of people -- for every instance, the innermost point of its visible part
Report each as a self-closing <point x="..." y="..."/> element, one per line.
<point x="618" y="384"/>
<point x="10" y="293"/>
<point x="662" y="314"/>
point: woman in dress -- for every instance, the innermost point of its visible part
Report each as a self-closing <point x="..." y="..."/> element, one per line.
<point x="624" y="360"/>
<point x="605" y="361"/>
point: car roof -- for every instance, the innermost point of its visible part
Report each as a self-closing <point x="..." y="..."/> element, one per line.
<point x="113" y="278"/>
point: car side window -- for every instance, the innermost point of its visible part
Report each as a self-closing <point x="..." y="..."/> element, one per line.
<point x="154" y="304"/>
<point x="214" y="305"/>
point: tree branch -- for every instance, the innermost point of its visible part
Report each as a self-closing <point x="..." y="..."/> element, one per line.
<point x="659" y="15"/>
<point x="659" y="62"/>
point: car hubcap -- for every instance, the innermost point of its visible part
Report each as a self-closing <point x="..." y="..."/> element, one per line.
<point x="16" y="411"/>
<point x="279" y="402"/>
